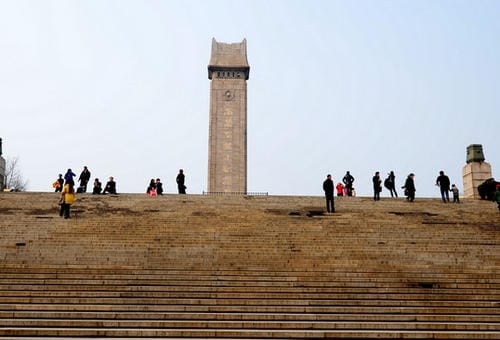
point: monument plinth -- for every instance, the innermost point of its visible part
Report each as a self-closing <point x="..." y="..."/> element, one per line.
<point x="228" y="71"/>
<point x="475" y="172"/>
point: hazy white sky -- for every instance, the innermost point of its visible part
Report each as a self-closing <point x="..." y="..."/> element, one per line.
<point x="122" y="87"/>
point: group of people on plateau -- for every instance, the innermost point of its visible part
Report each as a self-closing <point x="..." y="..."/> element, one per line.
<point x="155" y="188"/>
<point x="66" y="186"/>
<point x="347" y="189"/>
<point x="390" y="184"/>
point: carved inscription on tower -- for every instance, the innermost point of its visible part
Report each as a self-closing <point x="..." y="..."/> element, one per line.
<point x="228" y="71"/>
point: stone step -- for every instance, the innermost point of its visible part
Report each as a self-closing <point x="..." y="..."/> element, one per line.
<point x="252" y="324"/>
<point x="242" y="333"/>
<point x="374" y="317"/>
<point x="202" y="287"/>
<point x="394" y="308"/>
<point x="128" y="296"/>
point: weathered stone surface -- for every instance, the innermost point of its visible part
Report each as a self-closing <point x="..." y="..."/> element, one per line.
<point x="227" y="156"/>
<point x="474" y="174"/>
<point x="248" y="267"/>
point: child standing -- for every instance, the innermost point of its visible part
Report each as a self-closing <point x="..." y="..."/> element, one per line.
<point x="455" y="192"/>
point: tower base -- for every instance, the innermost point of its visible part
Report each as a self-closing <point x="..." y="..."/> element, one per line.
<point x="474" y="174"/>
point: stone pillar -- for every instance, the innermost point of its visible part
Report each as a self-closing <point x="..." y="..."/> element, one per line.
<point x="2" y="173"/>
<point x="228" y="71"/>
<point x="2" y="168"/>
<point x="475" y="172"/>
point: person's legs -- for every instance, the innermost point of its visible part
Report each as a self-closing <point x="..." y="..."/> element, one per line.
<point x="66" y="210"/>
<point x="411" y="196"/>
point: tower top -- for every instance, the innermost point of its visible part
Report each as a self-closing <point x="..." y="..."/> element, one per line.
<point x="228" y="57"/>
<point x="475" y="153"/>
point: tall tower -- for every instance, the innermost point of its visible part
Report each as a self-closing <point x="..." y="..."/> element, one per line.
<point x="228" y="71"/>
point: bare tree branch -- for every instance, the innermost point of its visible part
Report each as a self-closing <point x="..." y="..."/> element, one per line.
<point x="13" y="175"/>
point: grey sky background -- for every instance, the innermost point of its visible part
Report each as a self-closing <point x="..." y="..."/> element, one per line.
<point x="122" y="87"/>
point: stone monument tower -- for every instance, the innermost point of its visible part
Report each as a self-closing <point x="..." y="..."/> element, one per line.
<point x="228" y="71"/>
<point x="2" y="169"/>
<point x="475" y="172"/>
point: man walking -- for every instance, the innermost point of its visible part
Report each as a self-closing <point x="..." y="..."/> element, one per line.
<point x="328" y="188"/>
<point x="444" y="185"/>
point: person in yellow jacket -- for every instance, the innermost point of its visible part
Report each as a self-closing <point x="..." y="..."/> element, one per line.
<point x="67" y="198"/>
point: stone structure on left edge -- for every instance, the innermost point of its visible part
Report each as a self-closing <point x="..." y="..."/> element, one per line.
<point x="2" y="168"/>
<point x="228" y="71"/>
<point x="475" y="172"/>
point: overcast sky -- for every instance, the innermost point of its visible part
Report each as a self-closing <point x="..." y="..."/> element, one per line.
<point x="122" y="87"/>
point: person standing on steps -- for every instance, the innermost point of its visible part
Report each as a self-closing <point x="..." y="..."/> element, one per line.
<point x="58" y="184"/>
<point x="84" y="179"/>
<point x="377" y="186"/>
<point x="390" y="184"/>
<point x="68" y="176"/>
<point x="454" y="190"/>
<point x="348" y="180"/>
<point x="328" y="189"/>
<point x="180" y="182"/>
<point x="67" y="199"/>
<point x="443" y="182"/>
<point x="410" y="187"/>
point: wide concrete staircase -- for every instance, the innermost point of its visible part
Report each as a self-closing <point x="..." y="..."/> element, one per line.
<point x="248" y="267"/>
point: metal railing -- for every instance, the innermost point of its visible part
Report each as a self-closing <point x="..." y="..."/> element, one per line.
<point x="234" y="193"/>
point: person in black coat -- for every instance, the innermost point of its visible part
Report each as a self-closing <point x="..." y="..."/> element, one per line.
<point x="410" y="187"/>
<point x="328" y="188"/>
<point x="390" y="184"/>
<point x="180" y="182"/>
<point x="159" y="187"/>
<point x="377" y="187"/>
<point x="348" y="181"/>
<point x="443" y="182"/>
<point x="97" y="187"/>
<point x="110" y="187"/>
<point x="84" y="179"/>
